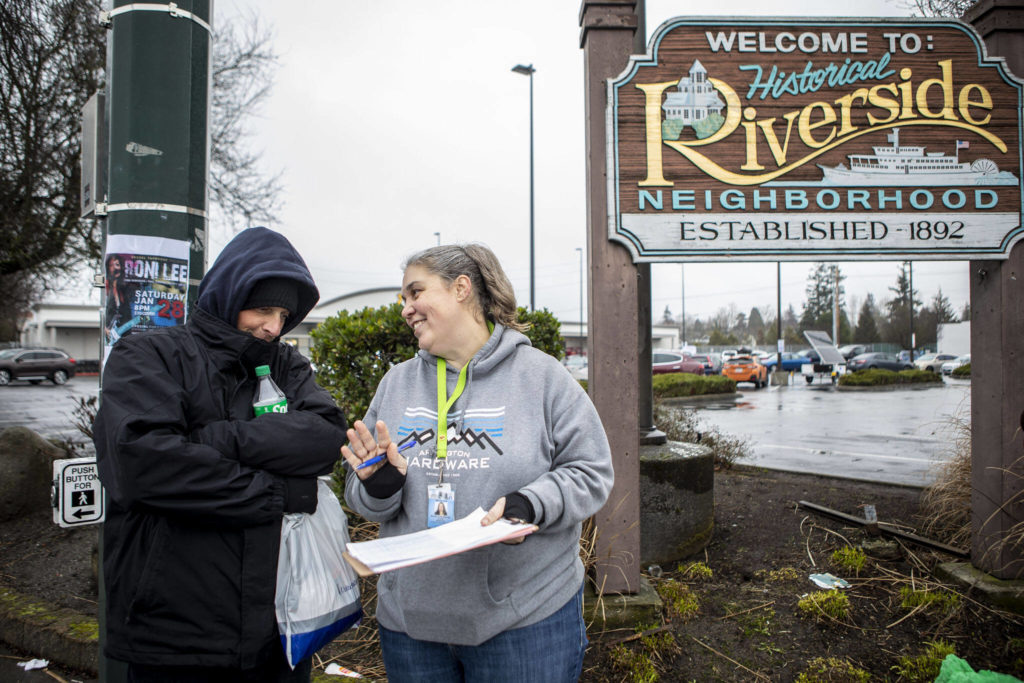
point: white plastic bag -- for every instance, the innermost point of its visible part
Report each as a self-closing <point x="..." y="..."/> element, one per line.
<point x="317" y="591"/>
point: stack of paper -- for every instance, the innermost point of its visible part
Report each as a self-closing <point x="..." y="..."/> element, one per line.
<point x="395" y="552"/>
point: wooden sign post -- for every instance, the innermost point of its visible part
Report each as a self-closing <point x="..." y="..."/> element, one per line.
<point x="806" y="139"/>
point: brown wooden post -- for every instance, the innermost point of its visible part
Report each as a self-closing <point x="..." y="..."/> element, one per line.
<point x="606" y="36"/>
<point x="997" y="355"/>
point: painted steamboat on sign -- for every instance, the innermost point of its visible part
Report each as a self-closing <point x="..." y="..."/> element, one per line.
<point x="911" y="165"/>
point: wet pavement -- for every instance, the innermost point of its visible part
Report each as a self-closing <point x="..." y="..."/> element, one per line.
<point x="45" y="408"/>
<point x="887" y="436"/>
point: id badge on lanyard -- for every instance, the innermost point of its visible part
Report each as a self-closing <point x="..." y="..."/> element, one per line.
<point x="440" y="504"/>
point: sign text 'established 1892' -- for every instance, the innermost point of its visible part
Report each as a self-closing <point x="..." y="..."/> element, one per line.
<point x="780" y="139"/>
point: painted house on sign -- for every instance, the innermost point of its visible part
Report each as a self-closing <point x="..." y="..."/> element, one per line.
<point x="694" y="100"/>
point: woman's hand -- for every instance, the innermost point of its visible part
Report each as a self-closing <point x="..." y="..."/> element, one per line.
<point x="494" y="514"/>
<point x="362" y="446"/>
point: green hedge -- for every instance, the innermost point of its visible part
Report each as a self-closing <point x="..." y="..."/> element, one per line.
<point x="962" y="371"/>
<point x="878" y="377"/>
<point x="676" y="384"/>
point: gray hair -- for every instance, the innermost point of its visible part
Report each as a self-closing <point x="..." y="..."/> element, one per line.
<point x="493" y="293"/>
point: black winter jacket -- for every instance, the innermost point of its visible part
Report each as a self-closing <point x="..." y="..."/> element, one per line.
<point x="198" y="486"/>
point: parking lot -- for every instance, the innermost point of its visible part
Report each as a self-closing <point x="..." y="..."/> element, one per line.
<point x="890" y="436"/>
<point x="46" y="408"/>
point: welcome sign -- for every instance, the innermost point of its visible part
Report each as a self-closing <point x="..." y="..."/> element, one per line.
<point x="780" y="139"/>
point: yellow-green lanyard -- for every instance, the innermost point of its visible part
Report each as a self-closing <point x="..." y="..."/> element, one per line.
<point x="444" y="402"/>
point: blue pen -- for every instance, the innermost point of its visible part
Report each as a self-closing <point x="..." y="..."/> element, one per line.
<point x="377" y="458"/>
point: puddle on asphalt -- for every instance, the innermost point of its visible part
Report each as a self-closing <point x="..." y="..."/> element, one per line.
<point x="743" y="405"/>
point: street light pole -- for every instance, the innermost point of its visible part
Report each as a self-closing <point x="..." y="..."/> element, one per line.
<point x="682" y="292"/>
<point x="528" y="70"/>
<point x="910" y="305"/>
<point x="583" y="338"/>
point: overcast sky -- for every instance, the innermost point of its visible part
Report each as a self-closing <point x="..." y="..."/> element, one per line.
<point x="397" y="119"/>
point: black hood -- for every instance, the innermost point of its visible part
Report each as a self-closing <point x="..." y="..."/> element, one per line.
<point x="253" y="255"/>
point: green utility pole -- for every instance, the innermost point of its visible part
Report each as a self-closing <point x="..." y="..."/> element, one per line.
<point x="158" y="61"/>
<point x="158" y="85"/>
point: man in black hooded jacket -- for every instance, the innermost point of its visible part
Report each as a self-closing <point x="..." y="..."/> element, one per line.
<point x="197" y="485"/>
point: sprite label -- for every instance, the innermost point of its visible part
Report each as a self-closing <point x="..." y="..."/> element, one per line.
<point x="280" y="406"/>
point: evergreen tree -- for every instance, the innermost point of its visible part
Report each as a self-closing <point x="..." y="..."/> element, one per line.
<point x="944" y="312"/>
<point x="739" y="328"/>
<point x="666" y="317"/>
<point x="898" y="309"/>
<point x="867" y="330"/>
<point x="755" y="325"/>
<point x="821" y="292"/>
<point x="789" y="319"/>
<point x="927" y="321"/>
<point x="791" y="328"/>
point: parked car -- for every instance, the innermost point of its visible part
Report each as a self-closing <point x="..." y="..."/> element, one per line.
<point x="729" y="354"/>
<point x="35" y="365"/>
<point x="712" y="362"/>
<point x="576" y="365"/>
<point x="746" y="369"/>
<point x="672" y="361"/>
<point x="949" y="366"/>
<point x="932" y="362"/>
<point x="850" y="350"/>
<point x="809" y="356"/>
<point x="790" y="361"/>
<point x="881" y="361"/>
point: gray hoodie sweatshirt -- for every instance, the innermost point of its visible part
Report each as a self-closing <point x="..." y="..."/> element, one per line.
<point x="521" y="424"/>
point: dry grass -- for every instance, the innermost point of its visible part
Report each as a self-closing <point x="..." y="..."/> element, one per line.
<point x="1011" y="545"/>
<point x="946" y="504"/>
<point x="682" y="424"/>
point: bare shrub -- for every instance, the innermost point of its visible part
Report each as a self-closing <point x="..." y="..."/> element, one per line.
<point x="682" y="424"/>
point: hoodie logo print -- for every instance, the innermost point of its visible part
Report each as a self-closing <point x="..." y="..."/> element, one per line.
<point x="482" y="428"/>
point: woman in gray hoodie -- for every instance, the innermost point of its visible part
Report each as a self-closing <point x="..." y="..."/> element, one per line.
<point x="495" y="424"/>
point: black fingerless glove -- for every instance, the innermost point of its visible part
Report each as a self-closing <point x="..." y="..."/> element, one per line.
<point x="300" y="494"/>
<point x="385" y="482"/>
<point x="518" y="507"/>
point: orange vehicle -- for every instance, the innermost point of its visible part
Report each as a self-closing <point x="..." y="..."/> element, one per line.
<point x="746" y="369"/>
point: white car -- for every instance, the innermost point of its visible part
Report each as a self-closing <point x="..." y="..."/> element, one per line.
<point x="933" y="361"/>
<point x="729" y="354"/>
<point x="949" y="366"/>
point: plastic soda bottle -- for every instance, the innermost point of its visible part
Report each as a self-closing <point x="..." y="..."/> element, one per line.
<point x="269" y="399"/>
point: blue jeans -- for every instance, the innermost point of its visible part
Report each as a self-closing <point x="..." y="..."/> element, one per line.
<point x="550" y="651"/>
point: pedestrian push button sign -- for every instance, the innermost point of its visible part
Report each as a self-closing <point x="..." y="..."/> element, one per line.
<point x="77" y="492"/>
